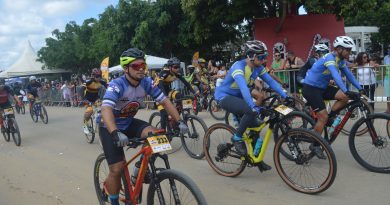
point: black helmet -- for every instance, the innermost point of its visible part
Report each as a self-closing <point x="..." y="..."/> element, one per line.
<point x="173" y="61"/>
<point x="130" y="55"/>
<point x="191" y="68"/>
<point x="255" y="47"/>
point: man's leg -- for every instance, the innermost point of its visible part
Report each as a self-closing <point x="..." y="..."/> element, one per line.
<point x="87" y="116"/>
<point x="341" y="101"/>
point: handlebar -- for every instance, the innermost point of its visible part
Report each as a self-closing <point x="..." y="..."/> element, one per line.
<point x="135" y="142"/>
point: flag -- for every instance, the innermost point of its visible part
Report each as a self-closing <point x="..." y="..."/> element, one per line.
<point x="104" y="68"/>
<point x="195" y="58"/>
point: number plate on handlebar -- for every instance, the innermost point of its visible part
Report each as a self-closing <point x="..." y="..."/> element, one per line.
<point x="159" y="143"/>
<point x="187" y="104"/>
<point x="9" y="111"/>
<point x="284" y="110"/>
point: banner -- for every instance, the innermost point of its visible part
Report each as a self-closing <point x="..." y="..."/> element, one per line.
<point x="195" y="58"/>
<point x="104" y="68"/>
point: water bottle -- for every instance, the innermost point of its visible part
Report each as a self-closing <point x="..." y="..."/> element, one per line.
<point x="336" y="122"/>
<point x="258" y="145"/>
<point x="134" y="174"/>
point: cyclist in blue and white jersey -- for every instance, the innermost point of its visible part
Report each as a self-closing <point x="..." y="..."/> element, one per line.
<point x="316" y="86"/>
<point x="121" y="102"/>
<point x="234" y="96"/>
<point x="319" y="51"/>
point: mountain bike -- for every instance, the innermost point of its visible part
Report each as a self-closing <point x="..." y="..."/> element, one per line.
<point x="304" y="172"/>
<point x="166" y="186"/>
<point x="10" y="126"/>
<point x="369" y="137"/>
<point x="215" y="110"/>
<point x="92" y="123"/>
<point x="20" y="108"/>
<point x="37" y="109"/>
<point x="192" y="141"/>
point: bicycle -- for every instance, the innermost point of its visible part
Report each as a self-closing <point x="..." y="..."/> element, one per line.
<point x="153" y="147"/>
<point x="10" y="126"/>
<point x="192" y="142"/>
<point x="92" y="123"/>
<point x="363" y="137"/>
<point x="37" y="109"/>
<point x="20" y="109"/>
<point x="223" y="158"/>
<point x="215" y="110"/>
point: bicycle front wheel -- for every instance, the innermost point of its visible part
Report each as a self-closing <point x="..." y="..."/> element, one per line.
<point x="34" y="116"/>
<point x="215" y="110"/>
<point x="91" y="135"/>
<point x="173" y="187"/>
<point x="43" y="115"/>
<point x="193" y="140"/>
<point x="220" y="152"/>
<point x="305" y="173"/>
<point x="372" y="149"/>
<point x="23" y="109"/>
<point x="15" y="132"/>
<point x="6" y="134"/>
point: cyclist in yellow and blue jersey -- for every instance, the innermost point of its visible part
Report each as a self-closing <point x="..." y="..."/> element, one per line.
<point x="316" y="86"/>
<point x="92" y="87"/>
<point x="234" y="96"/>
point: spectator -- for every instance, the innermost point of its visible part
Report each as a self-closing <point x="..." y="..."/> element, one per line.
<point x="387" y="79"/>
<point x="277" y="65"/>
<point x="293" y="63"/>
<point x="220" y="74"/>
<point x="366" y="75"/>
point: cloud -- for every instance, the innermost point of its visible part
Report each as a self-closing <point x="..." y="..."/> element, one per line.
<point x="58" y="8"/>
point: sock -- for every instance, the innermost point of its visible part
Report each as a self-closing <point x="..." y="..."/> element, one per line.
<point x="114" y="199"/>
<point x="236" y="137"/>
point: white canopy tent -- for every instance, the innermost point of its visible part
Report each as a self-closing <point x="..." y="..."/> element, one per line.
<point x="27" y="64"/>
<point x="153" y="62"/>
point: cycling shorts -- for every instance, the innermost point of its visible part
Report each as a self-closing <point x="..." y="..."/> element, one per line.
<point x="91" y="97"/>
<point x="113" y="153"/>
<point x="315" y="96"/>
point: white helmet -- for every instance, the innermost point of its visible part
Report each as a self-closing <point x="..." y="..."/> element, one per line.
<point x="321" y="48"/>
<point x="344" y="41"/>
<point x="255" y="46"/>
<point x="33" y="78"/>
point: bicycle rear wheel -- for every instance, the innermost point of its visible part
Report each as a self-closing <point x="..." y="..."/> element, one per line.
<point x="91" y="135"/>
<point x="155" y="121"/>
<point x="43" y="115"/>
<point x="100" y="173"/>
<point x="373" y="155"/>
<point x="16" y="132"/>
<point x="356" y="115"/>
<point x="305" y="173"/>
<point x="193" y="140"/>
<point x="220" y="152"/>
<point x="173" y="187"/>
<point x="215" y="110"/>
<point x="23" y="109"/>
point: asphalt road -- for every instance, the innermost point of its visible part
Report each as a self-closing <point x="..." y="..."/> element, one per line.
<point x="54" y="165"/>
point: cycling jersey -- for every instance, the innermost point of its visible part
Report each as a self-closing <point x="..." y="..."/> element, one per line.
<point x="125" y="99"/>
<point x="240" y="77"/>
<point x="93" y="87"/>
<point x="32" y="88"/>
<point x="326" y="68"/>
<point x="5" y="91"/>
<point x="166" y="77"/>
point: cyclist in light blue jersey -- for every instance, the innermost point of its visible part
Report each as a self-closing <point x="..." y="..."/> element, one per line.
<point x="316" y="86"/>
<point x="234" y="96"/>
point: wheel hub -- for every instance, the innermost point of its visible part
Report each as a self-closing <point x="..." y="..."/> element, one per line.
<point x="381" y="142"/>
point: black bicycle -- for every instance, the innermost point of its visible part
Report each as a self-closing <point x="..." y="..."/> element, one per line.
<point x="10" y="126"/>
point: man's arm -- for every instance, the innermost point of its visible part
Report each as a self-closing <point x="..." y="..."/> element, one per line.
<point x="351" y="78"/>
<point x="108" y="118"/>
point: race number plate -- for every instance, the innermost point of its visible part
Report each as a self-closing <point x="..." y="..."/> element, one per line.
<point x="9" y="111"/>
<point x="159" y="143"/>
<point x="284" y="110"/>
<point x="187" y="104"/>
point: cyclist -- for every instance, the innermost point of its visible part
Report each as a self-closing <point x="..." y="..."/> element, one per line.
<point x="91" y="94"/>
<point x="316" y="86"/>
<point x="319" y="51"/>
<point x="234" y="95"/>
<point x="5" y="92"/>
<point x="17" y="88"/>
<point x="120" y="104"/>
<point x="32" y="89"/>
<point x="164" y="81"/>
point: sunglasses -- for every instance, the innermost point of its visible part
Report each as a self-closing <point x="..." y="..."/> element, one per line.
<point x="277" y="55"/>
<point x="138" y="66"/>
<point x="175" y="67"/>
<point x="262" y="57"/>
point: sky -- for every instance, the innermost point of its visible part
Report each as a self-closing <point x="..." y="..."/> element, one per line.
<point x="34" y="20"/>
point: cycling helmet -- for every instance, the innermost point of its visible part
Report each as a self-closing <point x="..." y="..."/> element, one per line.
<point x="191" y="68"/>
<point x="255" y="47"/>
<point x="344" y="41"/>
<point x="96" y="72"/>
<point x="321" y="48"/>
<point x="219" y="63"/>
<point x="173" y="61"/>
<point x="33" y="78"/>
<point x="201" y="60"/>
<point x="131" y="55"/>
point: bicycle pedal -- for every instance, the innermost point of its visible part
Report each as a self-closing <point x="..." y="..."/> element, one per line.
<point x="263" y="167"/>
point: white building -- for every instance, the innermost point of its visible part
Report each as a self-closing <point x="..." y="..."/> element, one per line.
<point x="361" y="35"/>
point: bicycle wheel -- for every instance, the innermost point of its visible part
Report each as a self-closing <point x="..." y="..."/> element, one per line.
<point x="294" y="119"/>
<point x="6" y="134"/>
<point x="372" y="155"/>
<point x="173" y="187"/>
<point x="232" y="120"/>
<point x="220" y="152"/>
<point x="155" y="121"/>
<point x="193" y="140"/>
<point x="216" y="112"/>
<point x="306" y="173"/>
<point x="43" y="115"/>
<point x="356" y="115"/>
<point x="91" y="135"/>
<point x="23" y="109"/>
<point x="100" y="173"/>
<point x="16" y="132"/>
<point x="17" y="108"/>
<point x="34" y="116"/>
